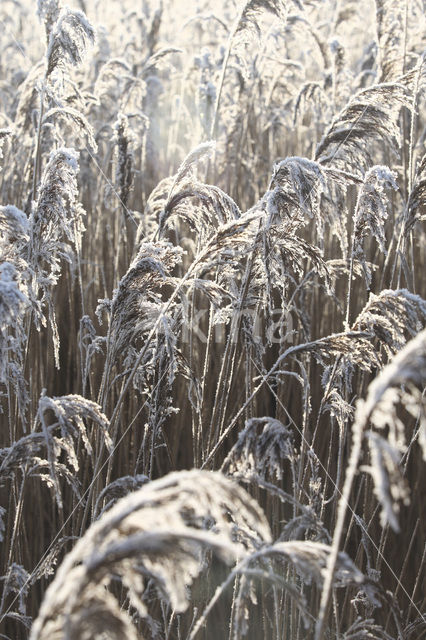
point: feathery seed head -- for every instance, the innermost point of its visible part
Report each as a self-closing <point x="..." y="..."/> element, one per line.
<point x="4" y="134"/>
<point x="408" y="370"/>
<point x="48" y="11"/>
<point x="14" y="224"/>
<point x="262" y="446"/>
<point x="157" y="532"/>
<point x="69" y="40"/>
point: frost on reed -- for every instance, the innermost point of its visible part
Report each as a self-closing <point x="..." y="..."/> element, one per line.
<point x="281" y="253"/>
<point x="48" y="11"/>
<point x="391" y="316"/>
<point x="16" y="583"/>
<point x="69" y="39"/>
<point x="295" y="190"/>
<point x="417" y="198"/>
<point x="309" y="558"/>
<point x="13" y="304"/>
<point x="402" y="382"/>
<point x="123" y="138"/>
<point x="117" y="489"/>
<point x="53" y="451"/>
<point x="407" y="370"/>
<point x="246" y="25"/>
<point x="371" y="115"/>
<point x="240" y="295"/>
<point x="57" y="207"/>
<point x="273" y="563"/>
<point x="16" y="298"/>
<point x="201" y="206"/>
<point x="260" y="451"/>
<point x="56" y="222"/>
<point x="244" y="29"/>
<point x="391" y="25"/>
<point x="137" y="302"/>
<point x="184" y="176"/>
<point x="4" y="135"/>
<point x="371" y="213"/>
<point x="142" y="335"/>
<point x="158" y="533"/>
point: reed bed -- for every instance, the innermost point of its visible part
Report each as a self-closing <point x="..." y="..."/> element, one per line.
<point x="212" y="320"/>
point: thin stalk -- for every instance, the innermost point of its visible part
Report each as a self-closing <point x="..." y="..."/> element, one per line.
<point x="290" y="351"/>
<point x="228" y="361"/>
<point x="200" y="434"/>
<point x="409" y="179"/>
<point x="404" y="566"/>
<point x="213" y="130"/>
<point x="17" y="520"/>
<point x="338" y="531"/>
<point x="420" y="576"/>
<point x="37" y="156"/>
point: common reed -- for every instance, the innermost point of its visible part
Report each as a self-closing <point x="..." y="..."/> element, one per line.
<point x="212" y="320"/>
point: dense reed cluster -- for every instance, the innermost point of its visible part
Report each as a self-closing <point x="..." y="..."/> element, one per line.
<point x="212" y="320"/>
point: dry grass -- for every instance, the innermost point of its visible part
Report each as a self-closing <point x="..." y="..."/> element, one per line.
<point x="212" y="320"/>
